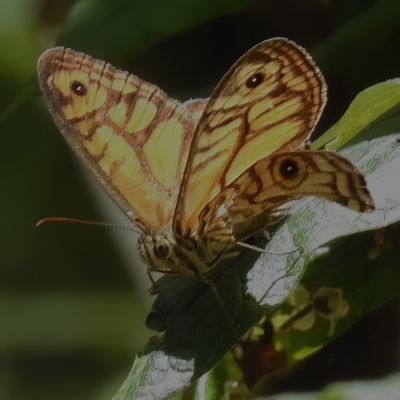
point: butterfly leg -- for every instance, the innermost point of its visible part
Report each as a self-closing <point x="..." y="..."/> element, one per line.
<point x="217" y="296"/>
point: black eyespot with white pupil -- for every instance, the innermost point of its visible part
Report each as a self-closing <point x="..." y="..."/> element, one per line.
<point x="161" y="249"/>
<point x="78" y="88"/>
<point x="288" y="168"/>
<point x="254" y="80"/>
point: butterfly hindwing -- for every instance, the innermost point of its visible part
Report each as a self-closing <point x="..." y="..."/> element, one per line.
<point x="248" y="204"/>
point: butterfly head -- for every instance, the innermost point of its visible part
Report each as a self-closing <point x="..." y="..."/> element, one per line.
<point x="157" y="247"/>
<point x="161" y="247"/>
<point x="158" y="252"/>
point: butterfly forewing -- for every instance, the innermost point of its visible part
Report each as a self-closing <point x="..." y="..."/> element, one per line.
<point x="130" y="133"/>
<point x="269" y="101"/>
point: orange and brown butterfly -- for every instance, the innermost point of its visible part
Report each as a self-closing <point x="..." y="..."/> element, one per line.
<point x="199" y="176"/>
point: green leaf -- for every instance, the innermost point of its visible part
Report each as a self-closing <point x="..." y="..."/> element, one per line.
<point x="339" y="288"/>
<point x="197" y="337"/>
<point x="374" y="112"/>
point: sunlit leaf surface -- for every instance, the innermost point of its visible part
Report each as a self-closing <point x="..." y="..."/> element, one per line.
<point x="197" y="339"/>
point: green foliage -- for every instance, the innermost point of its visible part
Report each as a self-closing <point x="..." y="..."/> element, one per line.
<point x="373" y="113"/>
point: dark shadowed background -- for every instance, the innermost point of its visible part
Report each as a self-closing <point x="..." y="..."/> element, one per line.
<point x="73" y="299"/>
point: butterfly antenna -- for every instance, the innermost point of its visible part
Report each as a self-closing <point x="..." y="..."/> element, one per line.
<point x="85" y="222"/>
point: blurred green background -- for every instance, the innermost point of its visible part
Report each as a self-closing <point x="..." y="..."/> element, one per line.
<point x="73" y="299"/>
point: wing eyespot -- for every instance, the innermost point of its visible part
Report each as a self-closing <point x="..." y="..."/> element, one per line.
<point x="254" y="80"/>
<point x="78" y="88"/>
<point x="289" y="168"/>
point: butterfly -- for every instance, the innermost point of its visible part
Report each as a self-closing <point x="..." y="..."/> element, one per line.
<point x="199" y="177"/>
